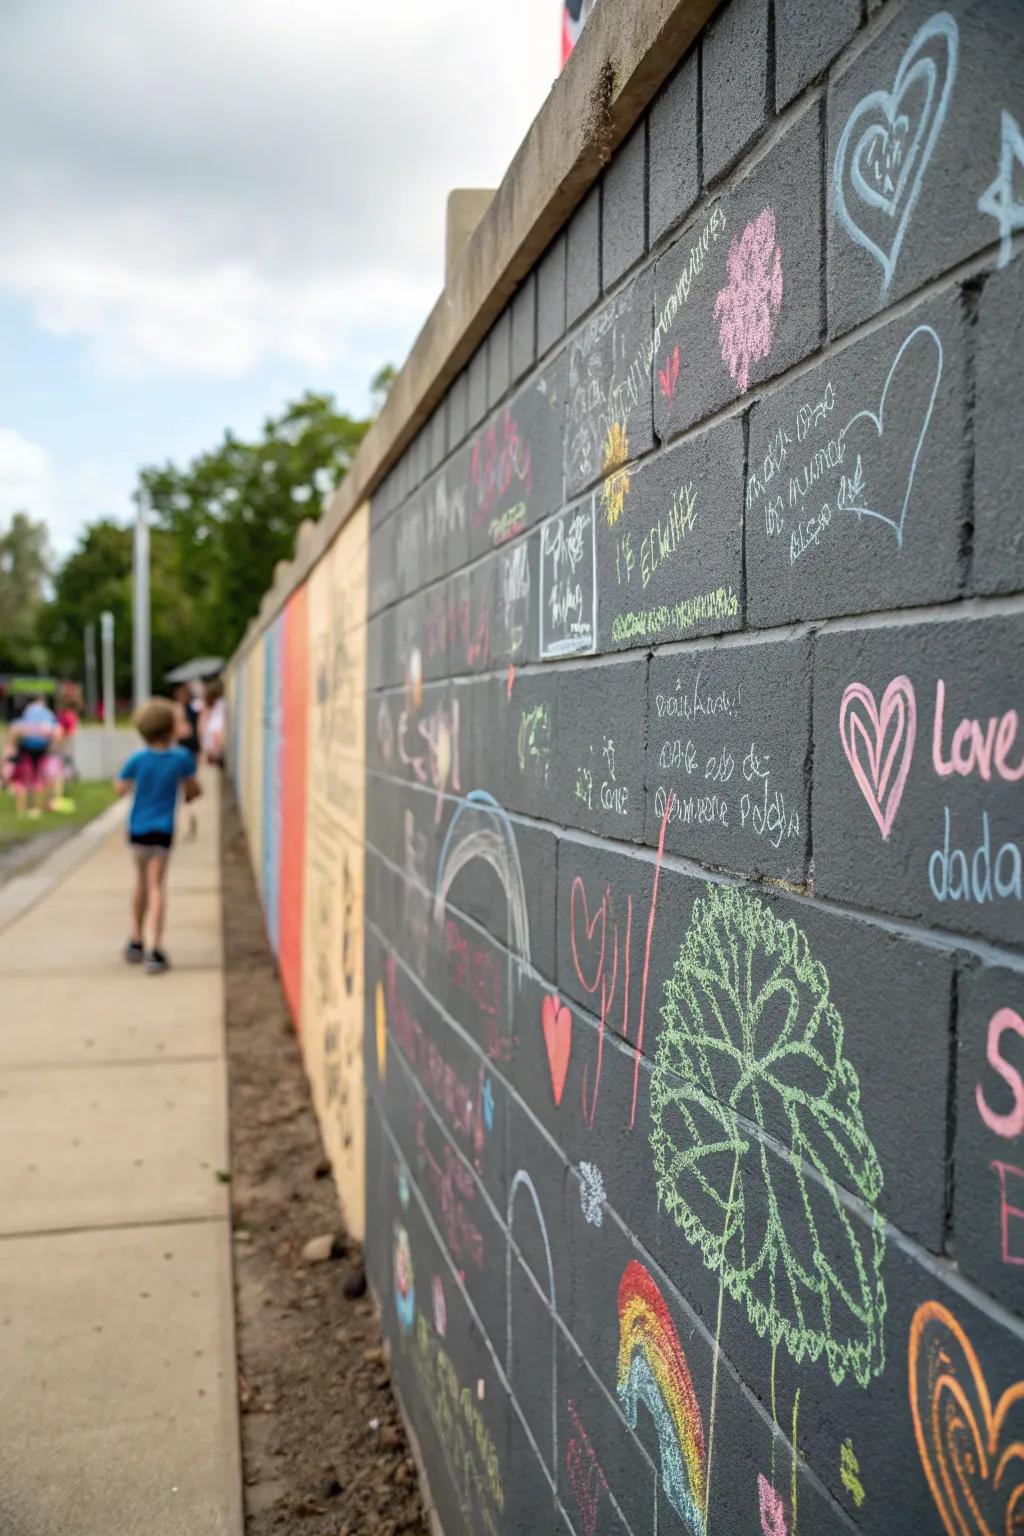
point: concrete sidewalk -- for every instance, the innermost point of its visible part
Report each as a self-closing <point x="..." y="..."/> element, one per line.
<point x="118" y="1406"/>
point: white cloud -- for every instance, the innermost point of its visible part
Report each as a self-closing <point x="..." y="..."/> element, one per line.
<point x="30" y="482"/>
<point x="200" y="189"/>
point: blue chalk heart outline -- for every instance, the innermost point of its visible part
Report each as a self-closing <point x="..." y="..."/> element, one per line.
<point x="877" y="420"/>
<point x="916" y="66"/>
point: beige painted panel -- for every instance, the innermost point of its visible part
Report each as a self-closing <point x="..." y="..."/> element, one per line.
<point x="332" y="959"/>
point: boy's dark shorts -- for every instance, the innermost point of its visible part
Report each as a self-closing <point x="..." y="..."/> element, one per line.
<point x="151" y="845"/>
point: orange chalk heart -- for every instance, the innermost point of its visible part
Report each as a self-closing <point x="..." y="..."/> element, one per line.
<point x="557" y="1022"/>
<point x="972" y="1454"/>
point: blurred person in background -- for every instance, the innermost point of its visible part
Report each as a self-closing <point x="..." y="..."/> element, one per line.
<point x="212" y="723"/>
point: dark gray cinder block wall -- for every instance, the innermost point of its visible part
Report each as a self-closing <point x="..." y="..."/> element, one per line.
<point x="695" y="819"/>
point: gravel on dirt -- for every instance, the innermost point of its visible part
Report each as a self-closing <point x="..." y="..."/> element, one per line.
<point x="323" y="1448"/>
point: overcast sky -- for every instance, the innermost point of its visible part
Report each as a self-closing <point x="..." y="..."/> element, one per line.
<point x="211" y="205"/>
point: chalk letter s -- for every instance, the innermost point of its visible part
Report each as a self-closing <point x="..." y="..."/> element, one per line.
<point x="1010" y="1124"/>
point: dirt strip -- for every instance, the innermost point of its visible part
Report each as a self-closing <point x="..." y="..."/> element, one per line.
<point x="323" y="1448"/>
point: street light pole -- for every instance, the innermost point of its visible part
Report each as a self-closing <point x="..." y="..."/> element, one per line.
<point x="140" y="604"/>
<point x="90" y="672"/>
<point x="109" y="702"/>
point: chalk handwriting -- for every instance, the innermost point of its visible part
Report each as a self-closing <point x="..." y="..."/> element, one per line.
<point x="568" y="584"/>
<point x="1006" y="1021"/>
<point x="1008" y="1212"/>
<point x="681" y="619"/>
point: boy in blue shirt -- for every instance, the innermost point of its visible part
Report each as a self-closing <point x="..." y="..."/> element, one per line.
<point x="156" y="773"/>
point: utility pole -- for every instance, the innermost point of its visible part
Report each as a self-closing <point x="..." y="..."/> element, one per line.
<point x="109" y="702"/>
<point x="140" y="603"/>
<point x="90" y="672"/>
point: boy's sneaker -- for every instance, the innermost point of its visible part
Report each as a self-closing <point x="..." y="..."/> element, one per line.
<point x="134" y="953"/>
<point x="156" y="962"/>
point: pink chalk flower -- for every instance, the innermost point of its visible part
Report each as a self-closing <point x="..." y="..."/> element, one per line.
<point x="747" y="308"/>
<point x="773" y="1511"/>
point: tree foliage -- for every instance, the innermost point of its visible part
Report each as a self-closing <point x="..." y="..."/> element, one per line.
<point x="219" y="526"/>
<point x="24" y="568"/>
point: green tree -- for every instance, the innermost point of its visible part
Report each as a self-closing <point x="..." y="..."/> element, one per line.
<point x="96" y="576"/>
<point x="24" y="568"/>
<point x="380" y="386"/>
<point x="233" y="513"/>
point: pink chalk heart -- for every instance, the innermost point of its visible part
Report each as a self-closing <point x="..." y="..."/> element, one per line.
<point x="557" y="1022"/>
<point x="872" y="740"/>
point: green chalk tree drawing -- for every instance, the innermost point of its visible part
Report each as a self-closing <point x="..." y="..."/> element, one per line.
<point x="752" y="1042"/>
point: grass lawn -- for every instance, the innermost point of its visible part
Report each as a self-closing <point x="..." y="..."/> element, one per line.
<point x="90" y="798"/>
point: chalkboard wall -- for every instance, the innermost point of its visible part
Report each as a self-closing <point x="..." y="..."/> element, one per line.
<point x="694" y="819"/>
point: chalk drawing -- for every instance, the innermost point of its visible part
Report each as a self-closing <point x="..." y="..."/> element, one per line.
<point x="1010" y="1124"/>
<point x="493" y="842"/>
<point x="998" y="200"/>
<point x="748" y="1022"/>
<point x="668" y="377"/>
<point x="403" y="1186"/>
<point x="849" y="1472"/>
<point x="585" y="1474"/>
<point x="487" y="1101"/>
<point x="972" y="1453"/>
<point x="771" y="1508"/>
<point x="1006" y="1210"/>
<point x="592" y="1193"/>
<point x="405" y="1290"/>
<point x="440" y="1307"/>
<point x="616" y="484"/>
<point x="381" y="1030"/>
<point x="926" y="355"/>
<point x="653" y="1371"/>
<point x="522" y="1180"/>
<point x="556" y="1021"/>
<point x="888" y="140"/>
<point x="881" y="788"/>
<point x="746" y="309"/>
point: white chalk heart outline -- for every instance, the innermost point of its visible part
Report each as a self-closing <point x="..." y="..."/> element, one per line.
<point x="913" y="68"/>
<point x="878" y="421"/>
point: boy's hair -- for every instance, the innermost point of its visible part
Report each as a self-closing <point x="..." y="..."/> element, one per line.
<point x="155" y="721"/>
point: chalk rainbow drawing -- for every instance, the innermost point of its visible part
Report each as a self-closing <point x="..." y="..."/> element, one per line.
<point x="653" y="1370"/>
<point x="480" y="829"/>
<point x="972" y="1452"/>
<point x="924" y="340"/>
<point x="747" y="307"/>
<point x="522" y="1181"/>
<point x="885" y="164"/>
<point x="998" y="200"/>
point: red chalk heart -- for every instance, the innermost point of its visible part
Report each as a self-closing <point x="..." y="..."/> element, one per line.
<point x="557" y="1022"/>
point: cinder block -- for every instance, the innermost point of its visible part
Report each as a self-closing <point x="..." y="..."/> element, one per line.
<point x="446" y="529"/>
<point x="438" y="435"/>
<point x="624" y="208"/>
<point x="517" y="743"/>
<point x="515" y="606"/>
<point x="670" y="544"/>
<point x="856" y="476"/>
<point x="917" y="758"/>
<point x="673" y="180"/>
<point x="916" y="181"/>
<point x="458" y="410"/>
<point x="999" y="434"/>
<point x="499" y="357"/>
<point x="476" y="388"/>
<point x="734" y="65"/>
<point x="727" y="756"/>
<point x="738" y="298"/>
<point x="551" y="295"/>
<point x="567" y="573"/>
<point x="988" y="1155"/>
<point x="599" y="767"/>
<point x="382" y="584"/>
<point x="515" y="462"/>
<point x="524" y="327"/>
<point x="409" y="538"/>
<point x="583" y="268"/>
<point x="808" y="36"/>
<point x="609" y="403"/>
